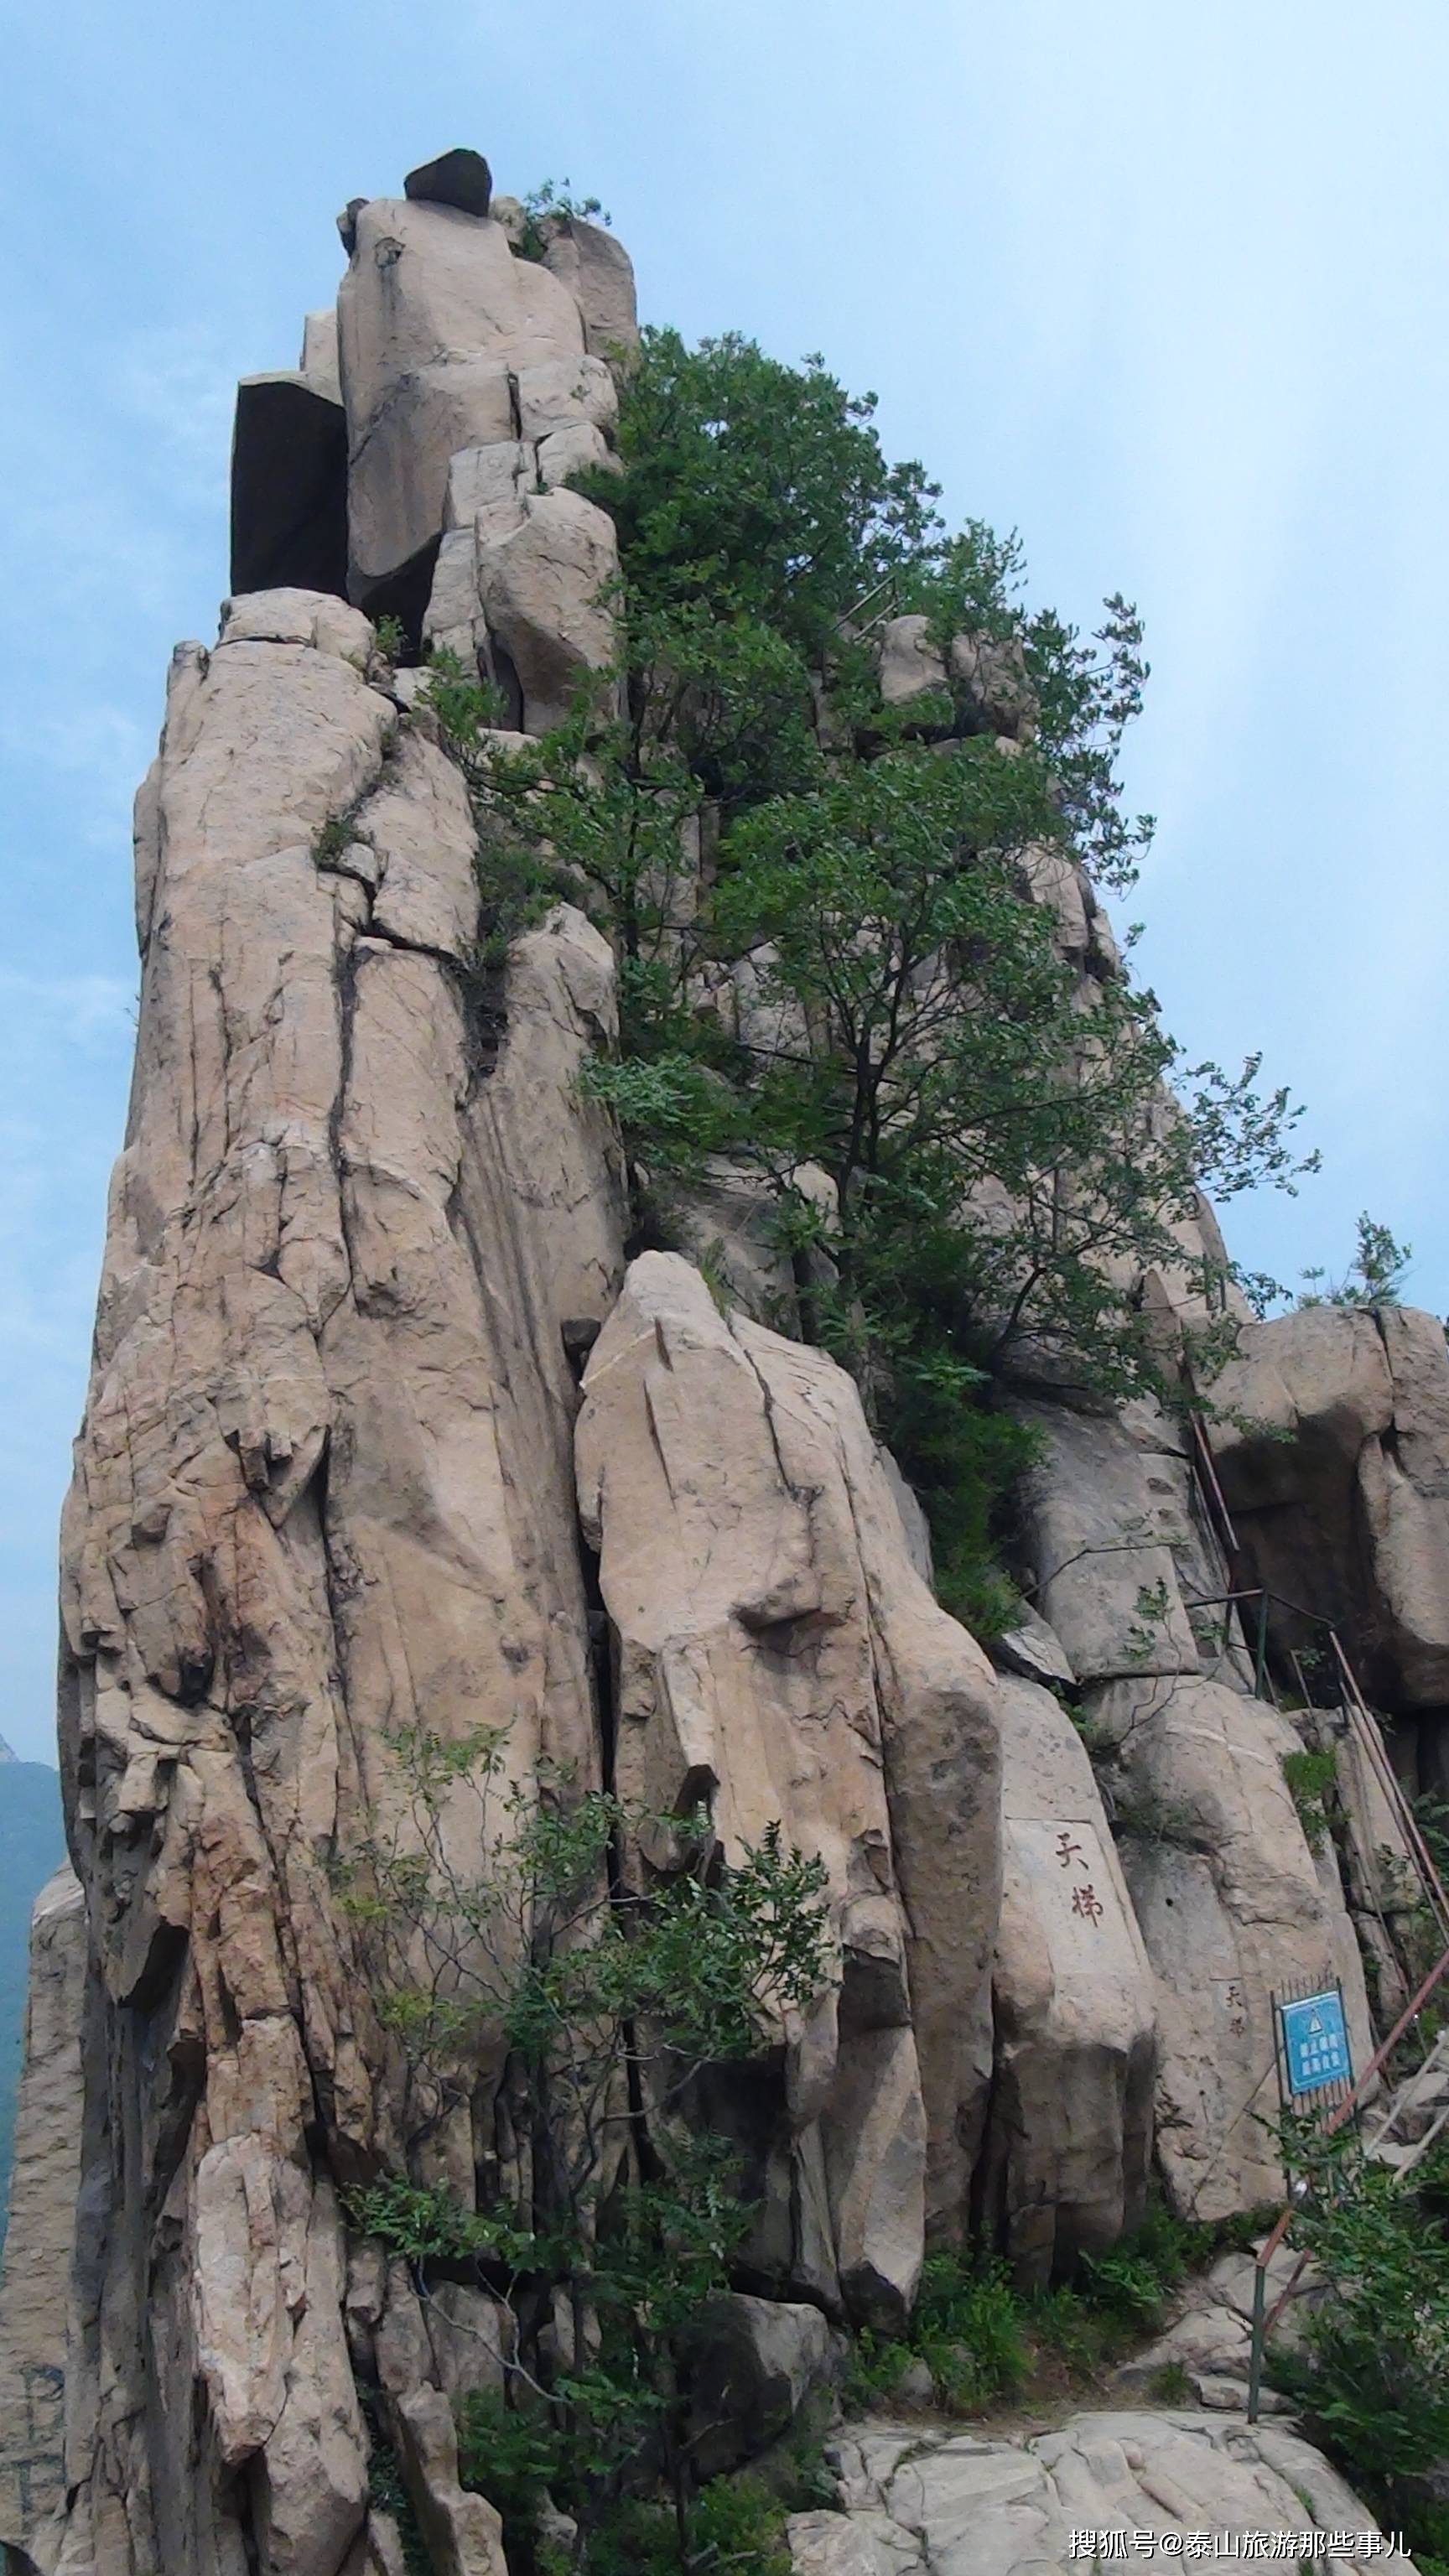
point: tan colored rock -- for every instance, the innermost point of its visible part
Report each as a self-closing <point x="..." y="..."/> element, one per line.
<point x="780" y="1659"/>
<point x="851" y="2544"/>
<point x="989" y="673"/>
<point x="1010" y="2507"/>
<point x="544" y="587"/>
<point x="397" y="478"/>
<point x="910" y="665"/>
<point x="323" y="1490"/>
<point x="436" y="319"/>
<point x="580" y="447"/>
<point x="564" y="392"/>
<point x="419" y="826"/>
<point x="599" y="274"/>
<point x="1032" y="1648"/>
<point x="1232" y="1908"/>
<point x="299" y="617"/>
<point x="462" y="2532"/>
<point x="1103" y="1517"/>
<point x="453" y="620"/>
<point x="1069" y="2146"/>
<point x="1055" y="881"/>
<point x="1342" y="1497"/>
<point x="320" y="363"/>
<point x="45" y="2171"/>
<point x="480" y="478"/>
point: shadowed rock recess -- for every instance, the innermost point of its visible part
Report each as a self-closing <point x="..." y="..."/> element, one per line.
<point x="386" y="1441"/>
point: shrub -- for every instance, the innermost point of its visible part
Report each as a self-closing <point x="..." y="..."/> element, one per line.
<point x="1373" y="2374"/>
<point x="537" y="1956"/>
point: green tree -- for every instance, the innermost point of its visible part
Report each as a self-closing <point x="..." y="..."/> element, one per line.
<point x="1007" y="1155"/>
<point x="1375" y="1276"/>
<point x="520" y="1939"/>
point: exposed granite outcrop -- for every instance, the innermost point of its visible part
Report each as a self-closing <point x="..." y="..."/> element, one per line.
<point x="338" y="1480"/>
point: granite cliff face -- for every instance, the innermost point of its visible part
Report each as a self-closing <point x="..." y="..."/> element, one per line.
<point x="385" y="1435"/>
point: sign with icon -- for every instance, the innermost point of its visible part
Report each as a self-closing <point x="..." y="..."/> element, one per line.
<point x="1315" y="2042"/>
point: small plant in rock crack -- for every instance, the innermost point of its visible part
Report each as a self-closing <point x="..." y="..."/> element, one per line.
<point x="466" y="708"/>
<point x="525" y="1954"/>
<point x="1153" y="1608"/>
<point x="547" y="205"/>
<point x="391" y="638"/>
<point x="1374" y="1277"/>
<point x="1313" y="1787"/>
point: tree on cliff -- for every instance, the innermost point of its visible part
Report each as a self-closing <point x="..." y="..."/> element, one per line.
<point x="1010" y="1138"/>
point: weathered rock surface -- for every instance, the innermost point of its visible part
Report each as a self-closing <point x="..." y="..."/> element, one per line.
<point x="1232" y="1907"/>
<point x="599" y="274"/>
<point x="1341" y="1500"/>
<point x="437" y="320"/>
<point x="962" y="2506"/>
<point x="35" y="2283"/>
<point x="759" y="2363"/>
<point x="781" y="1659"/>
<point x="1103" y="1518"/>
<point x="324" y="1489"/>
<point x="543" y="590"/>
<point x="337" y="1481"/>
<point x="1070" y="2140"/>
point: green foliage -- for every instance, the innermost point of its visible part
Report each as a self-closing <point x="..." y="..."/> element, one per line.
<point x="504" y="1940"/>
<point x="1170" y="2386"/>
<point x="546" y="206"/>
<point x="1375" y="1276"/>
<point x="523" y="2461"/>
<point x="1313" y="1786"/>
<point x="759" y="489"/>
<point x="465" y="707"/>
<point x="391" y="637"/>
<point x="734" y="2522"/>
<point x="1004" y="1155"/>
<point x="986" y="2342"/>
<point x="969" y="2328"/>
<point x="515" y="2455"/>
<point x="386" y="2490"/>
<point x="1373" y="2377"/>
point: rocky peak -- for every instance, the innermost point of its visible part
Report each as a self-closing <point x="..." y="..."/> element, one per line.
<point x="388" y="1443"/>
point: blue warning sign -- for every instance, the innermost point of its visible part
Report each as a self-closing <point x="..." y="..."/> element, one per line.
<point x="1315" y="2042"/>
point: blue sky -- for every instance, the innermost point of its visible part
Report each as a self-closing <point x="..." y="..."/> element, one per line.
<point x="1162" y="286"/>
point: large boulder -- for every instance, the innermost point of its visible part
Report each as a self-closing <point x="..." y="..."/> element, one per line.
<point x="1069" y="2144"/>
<point x="599" y="274"/>
<point x="971" y="2506"/>
<point x="1233" y="1908"/>
<point x="758" y="2362"/>
<point x="289" y="471"/>
<point x="1105" y="1519"/>
<point x="436" y="320"/>
<point x="1332" y="1443"/>
<point x="781" y="1661"/>
<point x="544" y="587"/>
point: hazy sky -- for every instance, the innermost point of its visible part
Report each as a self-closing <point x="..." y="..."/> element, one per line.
<point x="1162" y="285"/>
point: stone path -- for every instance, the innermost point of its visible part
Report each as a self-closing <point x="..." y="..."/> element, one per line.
<point x="1128" y="2488"/>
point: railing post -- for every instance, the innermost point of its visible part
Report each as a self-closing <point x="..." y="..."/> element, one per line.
<point x="1255" y="2355"/>
<point x="1260" y="1659"/>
